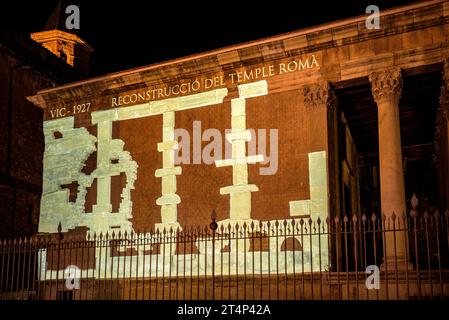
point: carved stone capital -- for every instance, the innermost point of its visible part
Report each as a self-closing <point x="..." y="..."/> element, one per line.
<point x="386" y="85"/>
<point x="319" y="94"/>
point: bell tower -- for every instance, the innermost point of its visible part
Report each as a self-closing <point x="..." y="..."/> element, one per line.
<point x="62" y="42"/>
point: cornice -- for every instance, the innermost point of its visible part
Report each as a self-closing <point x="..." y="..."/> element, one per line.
<point x="398" y="20"/>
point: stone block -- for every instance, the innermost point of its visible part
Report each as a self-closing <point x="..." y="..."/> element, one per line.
<point x="273" y="50"/>
<point x="228" y="57"/>
<point x="296" y="42"/>
<point x="361" y="49"/>
<point x="345" y="31"/>
<point x="319" y="37"/>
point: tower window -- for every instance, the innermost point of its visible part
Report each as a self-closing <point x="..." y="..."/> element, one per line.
<point x="63" y="56"/>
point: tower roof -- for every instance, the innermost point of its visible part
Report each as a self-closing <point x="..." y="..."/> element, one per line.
<point x="58" y="17"/>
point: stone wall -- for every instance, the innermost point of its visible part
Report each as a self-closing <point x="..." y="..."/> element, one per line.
<point x="21" y="147"/>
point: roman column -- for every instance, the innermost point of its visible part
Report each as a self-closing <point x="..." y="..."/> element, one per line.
<point x="442" y="136"/>
<point x="169" y="199"/>
<point x="321" y="104"/>
<point x="104" y="138"/>
<point x="240" y="190"/>
<point x="386" y="87"/>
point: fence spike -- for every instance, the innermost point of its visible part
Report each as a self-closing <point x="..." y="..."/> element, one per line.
<point x="213" y="215"/>
<point x="414" y="201"/>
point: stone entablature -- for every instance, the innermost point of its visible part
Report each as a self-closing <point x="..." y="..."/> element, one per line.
<point x="410" y="36"/>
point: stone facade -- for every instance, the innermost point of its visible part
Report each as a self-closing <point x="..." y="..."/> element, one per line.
<point x="25" y="67"/>
<point x="127" y="175"/>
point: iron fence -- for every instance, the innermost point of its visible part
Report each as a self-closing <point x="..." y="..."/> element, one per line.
<point x="359" y="257"/>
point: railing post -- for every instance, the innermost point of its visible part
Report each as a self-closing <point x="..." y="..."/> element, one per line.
<point x="59" y="236"/>
<point x="213" y="226"/>
<point x="414" y="216"/>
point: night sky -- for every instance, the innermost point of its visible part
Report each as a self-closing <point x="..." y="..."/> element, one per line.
<point x="128" y="34"/>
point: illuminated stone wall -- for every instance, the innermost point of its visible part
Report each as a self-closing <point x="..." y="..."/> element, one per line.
<point x="126" y="168"/>
<point x="112" y="144"/>
<point x="260" y="131"/>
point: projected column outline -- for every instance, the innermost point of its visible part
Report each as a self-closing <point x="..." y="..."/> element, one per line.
<point x="240" y="190"/>
<point x="169" y="199"/>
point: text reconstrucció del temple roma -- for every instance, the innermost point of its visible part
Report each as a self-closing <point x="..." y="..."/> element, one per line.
<point x="328" y="122"/>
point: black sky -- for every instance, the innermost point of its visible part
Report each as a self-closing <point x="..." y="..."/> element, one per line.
<point x="130" y="33"/>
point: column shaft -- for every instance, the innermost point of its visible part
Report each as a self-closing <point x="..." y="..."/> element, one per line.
<point x="386" y="89"/>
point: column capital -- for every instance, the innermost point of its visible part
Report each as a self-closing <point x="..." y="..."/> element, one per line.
<point x="319" y="94"/>
<point x="386" y="85"/>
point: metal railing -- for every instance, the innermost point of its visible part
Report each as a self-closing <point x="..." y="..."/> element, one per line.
<point x="304" y="258"/>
